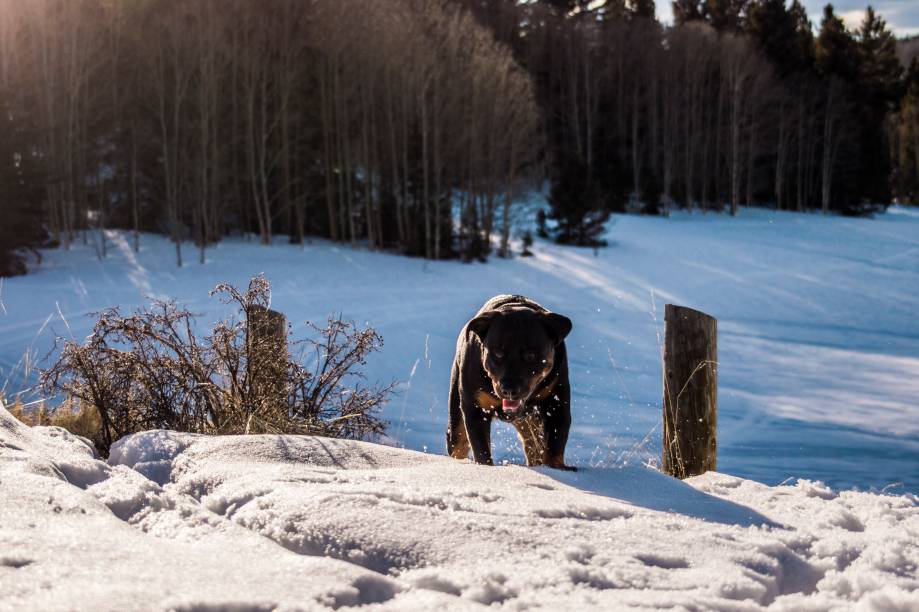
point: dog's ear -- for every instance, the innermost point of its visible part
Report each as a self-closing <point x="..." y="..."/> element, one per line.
<point x="480" y="325"/>
<point x="558" y="325"/>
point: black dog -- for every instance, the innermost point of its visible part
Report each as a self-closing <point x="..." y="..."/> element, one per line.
<point x="511" y="363"/>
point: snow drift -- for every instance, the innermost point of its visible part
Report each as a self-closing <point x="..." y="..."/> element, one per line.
<point x="181" y="521"/>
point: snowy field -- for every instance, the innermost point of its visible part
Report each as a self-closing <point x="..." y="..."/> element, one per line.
<point x="305" y="523"/>
<point x="819" y="338"/>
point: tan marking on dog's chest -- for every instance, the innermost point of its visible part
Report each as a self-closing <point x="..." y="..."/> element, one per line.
<point x="487" y="401"/>
<point x="545" y="391"/>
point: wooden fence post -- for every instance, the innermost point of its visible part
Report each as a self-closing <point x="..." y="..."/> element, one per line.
<point x="690" y="392"/>
<point x="268" y="354"/>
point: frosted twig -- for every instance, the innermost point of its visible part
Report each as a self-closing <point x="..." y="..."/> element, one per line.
<point x="408" y="388"/>
<point x="64" y="319"/>
<point x="892" y="485"/>
<point x="609" y="353"/>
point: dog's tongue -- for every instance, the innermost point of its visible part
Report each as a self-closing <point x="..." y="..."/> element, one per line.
<point x="510" y="405"/>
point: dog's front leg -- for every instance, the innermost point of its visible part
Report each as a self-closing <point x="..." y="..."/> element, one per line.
<point x="531" y="430"/>
<point x="557" y="424"/>
<point x="478" y="430"/>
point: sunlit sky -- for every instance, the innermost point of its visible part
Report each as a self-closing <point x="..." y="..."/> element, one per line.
<point x="901" y="15"/>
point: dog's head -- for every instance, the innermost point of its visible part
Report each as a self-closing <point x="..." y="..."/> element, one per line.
<point x="518" y="352"/>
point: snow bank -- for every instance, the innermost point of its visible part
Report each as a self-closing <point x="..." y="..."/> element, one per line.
<point x="193" y="522"/>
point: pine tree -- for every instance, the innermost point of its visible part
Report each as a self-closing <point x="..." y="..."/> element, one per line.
<point x="907" y="133"/>
<point x="838" y="63"/>
<point x="527" y="241"/>
<point x="725" y="15"/>
<point x="804" y="34"/>
<point x="879" y="90"/>
<point x="685" y="11"/>
<point x="879" y="66"/>
<point x="541" y="230"/>
<point x="577" y="206"/>
<point x="836" y="50"/>
<point x="779" y="33"/>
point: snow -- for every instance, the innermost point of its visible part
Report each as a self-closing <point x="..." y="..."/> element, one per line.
<point x="818" y="338"/>
<point x="76" y="533"/>
<point x="189" y="522"/>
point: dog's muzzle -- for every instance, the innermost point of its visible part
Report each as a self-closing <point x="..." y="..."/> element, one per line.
<point x="512" y="407"/>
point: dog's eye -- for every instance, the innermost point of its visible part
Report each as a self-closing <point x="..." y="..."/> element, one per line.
<point x="498" y="354"/>
<point x="529" y="356"/>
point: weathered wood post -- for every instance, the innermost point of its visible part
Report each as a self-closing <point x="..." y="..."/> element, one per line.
<point x="690" y="391"/>
<point x="267" y="337"/>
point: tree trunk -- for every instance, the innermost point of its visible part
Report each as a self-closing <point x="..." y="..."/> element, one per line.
<point x="428" y="250"/>
<point x="781" y="153"/>
<point x="328" y="148"/>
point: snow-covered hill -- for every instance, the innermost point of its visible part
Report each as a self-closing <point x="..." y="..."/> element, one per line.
<point x="185" y="522"/>
<point x="819" y="338"/>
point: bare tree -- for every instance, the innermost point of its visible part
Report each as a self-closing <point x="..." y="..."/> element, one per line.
<point x="833" y="112"/>
<point x="167" y="52"/>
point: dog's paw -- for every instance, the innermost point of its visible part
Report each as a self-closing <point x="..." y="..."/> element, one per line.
<point x="563" y="467"/>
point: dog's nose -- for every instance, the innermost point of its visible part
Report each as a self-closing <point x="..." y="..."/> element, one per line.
<point x="511" y="389"/>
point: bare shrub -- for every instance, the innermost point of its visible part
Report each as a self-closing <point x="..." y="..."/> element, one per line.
<point x="151" y="370"/>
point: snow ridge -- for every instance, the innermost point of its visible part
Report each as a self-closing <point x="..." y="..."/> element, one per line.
<point x="181" y="521"/>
